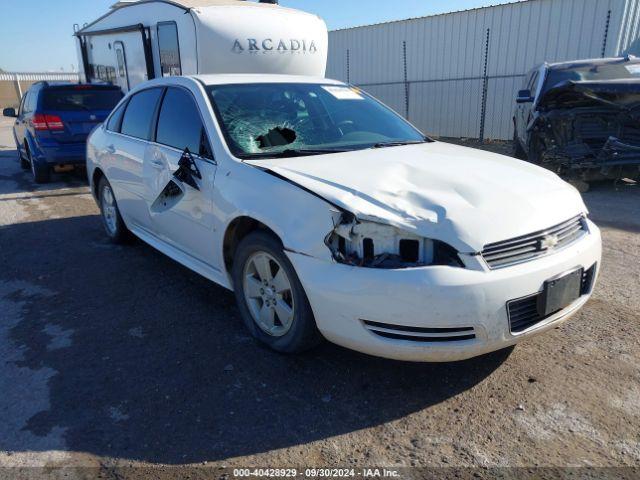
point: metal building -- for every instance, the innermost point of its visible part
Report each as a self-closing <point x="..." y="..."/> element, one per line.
<point x="457" y="74"/>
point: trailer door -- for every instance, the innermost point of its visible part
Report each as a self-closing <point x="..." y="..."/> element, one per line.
<point x="122" y="73"/>
<point x="119" y="56"/>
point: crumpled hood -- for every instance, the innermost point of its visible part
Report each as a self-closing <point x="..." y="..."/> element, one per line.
<point x="465" y="197"/>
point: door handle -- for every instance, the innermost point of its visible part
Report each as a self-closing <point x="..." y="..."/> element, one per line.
<point x="111" y="149"/>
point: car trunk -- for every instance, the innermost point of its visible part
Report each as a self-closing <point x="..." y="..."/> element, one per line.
<point x="79" y="109"/>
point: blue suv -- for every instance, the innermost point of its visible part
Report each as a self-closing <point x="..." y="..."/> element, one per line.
<point x="54" y="121"/>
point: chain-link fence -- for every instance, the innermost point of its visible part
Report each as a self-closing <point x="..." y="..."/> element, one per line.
<point x="457" y="75"/>
<point x="474" y="107"/>
<point x="14" y="85"/>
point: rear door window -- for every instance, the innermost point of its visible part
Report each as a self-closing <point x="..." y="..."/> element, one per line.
<point x="22" y="108"/>
<point x="138" y="117"/>
<point x="29" y="103"/>
<point x="116" y="119"/>
<point x="81" y="99"/>
<point x="180" y="125"/>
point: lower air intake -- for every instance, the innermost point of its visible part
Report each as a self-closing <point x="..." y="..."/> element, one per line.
<point x="523" y="313"/>
<point x="420" y="334"/>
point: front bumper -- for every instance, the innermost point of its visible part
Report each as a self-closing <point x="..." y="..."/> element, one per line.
<point x="344" y="297"/>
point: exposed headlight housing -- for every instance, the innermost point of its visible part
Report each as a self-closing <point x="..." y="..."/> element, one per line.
<point x="375" y="245"/>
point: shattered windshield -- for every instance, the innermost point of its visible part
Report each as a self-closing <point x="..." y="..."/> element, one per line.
<point x="595" y="72"/>
<point x="267" y="120"/>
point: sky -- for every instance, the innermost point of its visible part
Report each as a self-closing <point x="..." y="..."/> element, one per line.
<point x="36" y="35"/>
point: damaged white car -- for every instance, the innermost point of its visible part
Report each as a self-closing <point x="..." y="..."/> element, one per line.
<point x="332" y="217"/>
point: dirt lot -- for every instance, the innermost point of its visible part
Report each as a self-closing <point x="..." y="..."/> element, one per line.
<point x="117" y="356"/>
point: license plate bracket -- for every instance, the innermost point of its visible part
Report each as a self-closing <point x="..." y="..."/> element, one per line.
<point x="559" y="293"/>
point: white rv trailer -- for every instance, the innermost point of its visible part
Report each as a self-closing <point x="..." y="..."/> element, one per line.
<point x="138" y="40"/>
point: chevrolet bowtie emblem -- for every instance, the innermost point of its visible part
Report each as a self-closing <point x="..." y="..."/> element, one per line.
<point x="549" y="242"/>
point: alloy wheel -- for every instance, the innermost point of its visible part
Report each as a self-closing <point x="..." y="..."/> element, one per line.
<point x="268" y="294"/>
<point x="109" y="212"/>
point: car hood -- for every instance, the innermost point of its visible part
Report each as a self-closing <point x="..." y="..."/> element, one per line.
<point x="465" y="197"/>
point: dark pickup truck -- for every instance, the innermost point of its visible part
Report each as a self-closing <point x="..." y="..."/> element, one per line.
<point x="582" y="119"/>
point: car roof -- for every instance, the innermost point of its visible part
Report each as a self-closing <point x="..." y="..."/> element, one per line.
<point x="234" y="79"/>
<point x="223" y="79"/>
<point x="80" y="86"/>
<point x="592" y="62"/>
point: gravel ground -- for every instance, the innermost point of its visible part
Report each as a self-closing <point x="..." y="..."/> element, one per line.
<point x="117" y="356"/>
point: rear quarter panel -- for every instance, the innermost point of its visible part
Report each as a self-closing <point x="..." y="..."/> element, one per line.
<point x="96" y="148"/>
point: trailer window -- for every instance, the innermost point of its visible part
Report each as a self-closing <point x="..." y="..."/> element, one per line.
<point x="169" y="48"/>
<point x="120" y="58"/>
<point x="138" y="117"/>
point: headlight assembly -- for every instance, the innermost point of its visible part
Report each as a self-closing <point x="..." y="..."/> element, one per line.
<point x="375" y="245"/>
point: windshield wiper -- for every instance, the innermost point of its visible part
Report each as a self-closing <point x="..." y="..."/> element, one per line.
<point x="399" y="143"/>
<point x="289" y="153"/>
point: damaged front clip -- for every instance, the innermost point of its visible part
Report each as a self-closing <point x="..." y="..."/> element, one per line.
<point x="376" y="245"/>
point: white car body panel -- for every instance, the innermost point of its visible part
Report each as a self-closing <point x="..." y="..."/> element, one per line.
<point x="436" y="297"/>
<point x="463" y="197"/>
<point x="438" y="190"/>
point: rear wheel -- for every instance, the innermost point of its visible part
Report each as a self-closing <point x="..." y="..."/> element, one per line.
<point x="270" y="297"/>
<point x="24" y="163"/>
<point x="41" y="173"/>
<point x="111" y="219"/>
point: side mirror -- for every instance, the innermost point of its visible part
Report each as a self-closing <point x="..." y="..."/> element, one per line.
<point x="524" y="96"/>
<point x="9" y="112"/>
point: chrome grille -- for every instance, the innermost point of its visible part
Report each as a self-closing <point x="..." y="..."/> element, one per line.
<point x="528" y="247"/>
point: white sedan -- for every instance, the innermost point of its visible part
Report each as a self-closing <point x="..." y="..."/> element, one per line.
<point x="332" y="217"/>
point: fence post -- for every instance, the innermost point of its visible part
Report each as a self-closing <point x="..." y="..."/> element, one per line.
<point x="406" y="80"/>
<point x="485" y="87"/>
<point x="348" y="66"/>
<point x="18" y="87"/>
<point x="606" y="34"/>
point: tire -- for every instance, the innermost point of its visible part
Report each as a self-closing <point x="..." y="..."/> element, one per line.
<point x="112" y="222"/>
<point x="518" y="151"/>
<point x="258" y="291"/>
<point x="41" y="173"/>
<point x="24" y="163"/>
<point x="535" y="150"/>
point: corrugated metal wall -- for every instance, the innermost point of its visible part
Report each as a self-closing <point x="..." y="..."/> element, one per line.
<point x="433" y="68"/>
<point x="627" y="29"/>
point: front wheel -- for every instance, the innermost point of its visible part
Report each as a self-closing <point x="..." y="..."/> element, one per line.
<point x="270" y="297"/>
<point x="518" y="151"/>
<point x="111" y="219"/>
